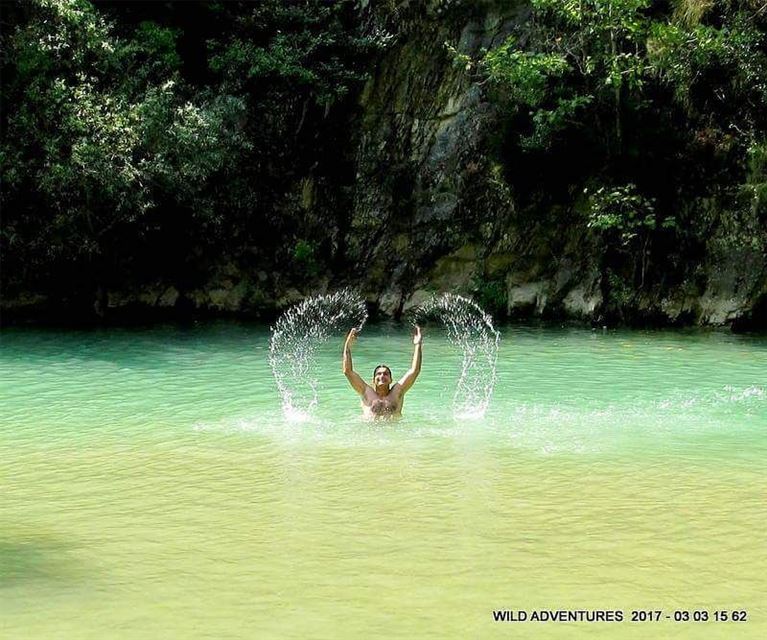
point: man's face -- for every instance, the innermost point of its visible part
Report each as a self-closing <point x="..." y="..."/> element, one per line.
<point x="381" y="376"/>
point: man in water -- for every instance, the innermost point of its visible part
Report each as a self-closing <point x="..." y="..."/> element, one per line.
<point x="382" y="400"/>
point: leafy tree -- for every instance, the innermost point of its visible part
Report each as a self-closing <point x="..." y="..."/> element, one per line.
<point x="718" y="73"/>
<point x="579" y="54"/>
<point x="626" y="220"/>
<point x="298" y="67"/>
<point x="98" y="131"/>
<point x="712" y="56"/>
<point x="309" y="50"/>
<point x="660" y="108"/>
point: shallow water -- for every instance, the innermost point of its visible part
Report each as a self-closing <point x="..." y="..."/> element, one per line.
<point x="151" y="488"/>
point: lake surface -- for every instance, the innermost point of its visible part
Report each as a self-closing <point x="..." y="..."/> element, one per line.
<point x="151" y="488"/>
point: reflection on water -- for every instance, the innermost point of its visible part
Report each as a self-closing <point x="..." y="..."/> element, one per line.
<point x="151" y="488"/>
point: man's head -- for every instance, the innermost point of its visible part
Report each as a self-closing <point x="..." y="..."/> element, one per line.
<point x="381" y="375"/>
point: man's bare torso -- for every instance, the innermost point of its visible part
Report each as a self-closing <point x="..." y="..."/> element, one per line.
<point x="377" y="406"/>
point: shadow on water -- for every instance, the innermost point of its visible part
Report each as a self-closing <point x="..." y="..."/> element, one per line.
<point x="136" y="347"/>
<point x="36" y="559"/>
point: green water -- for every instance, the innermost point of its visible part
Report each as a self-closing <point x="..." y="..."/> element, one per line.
<point x="152" y="489"/>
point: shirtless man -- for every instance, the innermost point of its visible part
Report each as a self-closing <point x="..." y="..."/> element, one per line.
<point x="382" y="400"/>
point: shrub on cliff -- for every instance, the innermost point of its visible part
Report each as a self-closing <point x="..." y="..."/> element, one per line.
<point x="648" y="102"/>
<point x="97" y="129"/>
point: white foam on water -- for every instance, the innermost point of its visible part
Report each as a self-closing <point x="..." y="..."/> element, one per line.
<point x="739" y="395"/>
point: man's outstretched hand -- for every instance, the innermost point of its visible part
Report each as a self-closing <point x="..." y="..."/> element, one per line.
<point x="350" y="339"/>
<point x="417" y="338"/>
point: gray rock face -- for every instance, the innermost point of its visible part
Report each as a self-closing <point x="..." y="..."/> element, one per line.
<point x="735" y="284"/>
<point x="420" y="157"/>
<point x="430" y="214"/>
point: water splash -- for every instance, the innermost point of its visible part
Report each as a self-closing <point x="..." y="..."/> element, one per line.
<point x="293" y="347"/>
<point x="471" y="330"/>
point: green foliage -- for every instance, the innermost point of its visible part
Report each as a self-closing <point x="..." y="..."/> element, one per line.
<point x="713" y="68"/>
<point x="529" y="80"/>
<point x="491" y="294"/>
<point x="305" y="258"/>
<point x="745" y="223"/>
<point x="580" y="54"/>
<point x="757" y="163"/>
<point x="152" y="54"/>
<point x="526" y="76"/>
<point x="110" y="153"/>
<point x="615" y="49"/>
<point x="306" y="50"/>
<point x="622" y="292"/>
<point x="623" y="212"/>
<point x="547" y="123"/>
<point x="626" y="220"/>
<point x="672" y="97"/>
<point x="100" y="129"/>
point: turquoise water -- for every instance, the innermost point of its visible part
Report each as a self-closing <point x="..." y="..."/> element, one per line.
<point x="152" y="487"/>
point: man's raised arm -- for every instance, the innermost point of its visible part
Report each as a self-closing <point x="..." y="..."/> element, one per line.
<point x="415" y="367"/>
<point x="351" y="375"/>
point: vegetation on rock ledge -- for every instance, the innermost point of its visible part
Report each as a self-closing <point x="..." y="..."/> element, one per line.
<point x="148" y="143"/>
<point x="656" y="113"/>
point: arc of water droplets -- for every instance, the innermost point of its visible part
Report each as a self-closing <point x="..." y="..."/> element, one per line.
<point x="471" y="330"/>
<point x="295" y="338"/>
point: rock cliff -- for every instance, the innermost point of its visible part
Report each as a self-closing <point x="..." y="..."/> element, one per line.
<point x="425" y="206"/>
